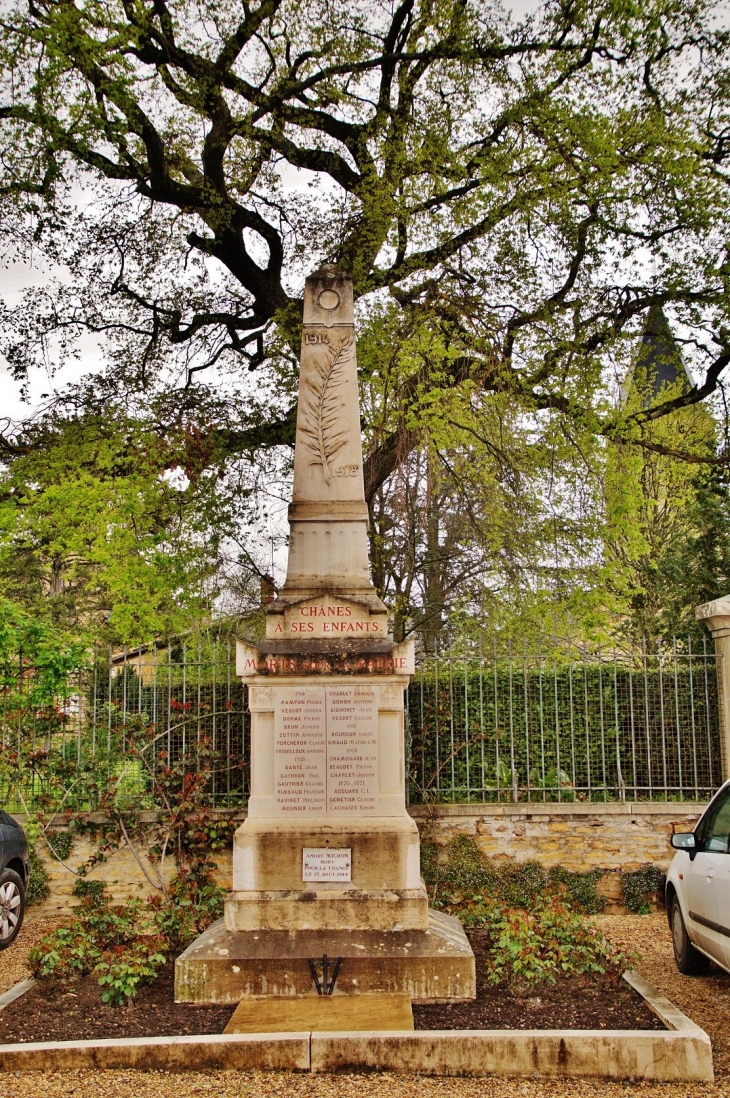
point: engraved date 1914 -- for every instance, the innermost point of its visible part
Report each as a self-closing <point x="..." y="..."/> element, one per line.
<point x="316" y="337"/>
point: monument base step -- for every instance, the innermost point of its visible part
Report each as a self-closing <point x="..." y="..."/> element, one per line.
<point x="322" y="1014"/>
<point x="223" y="966"/>
<point x="385" y="909"/>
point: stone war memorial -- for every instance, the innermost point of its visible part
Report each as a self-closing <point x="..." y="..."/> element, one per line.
<point x="327" y="891"/>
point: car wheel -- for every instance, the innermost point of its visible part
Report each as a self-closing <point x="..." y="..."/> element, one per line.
<point x="690" y="961"/>
<point x="12" y="906"/>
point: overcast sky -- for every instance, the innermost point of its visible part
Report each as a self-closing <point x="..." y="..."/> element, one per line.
<point x="17" y="277"/>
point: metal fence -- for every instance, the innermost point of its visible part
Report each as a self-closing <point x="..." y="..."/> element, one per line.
<point x="124" y="720"/>
<point x="555" y="723"/>
<point x="565" y="723"/>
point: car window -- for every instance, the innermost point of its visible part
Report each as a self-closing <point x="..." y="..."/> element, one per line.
<point x="714" y="831"/>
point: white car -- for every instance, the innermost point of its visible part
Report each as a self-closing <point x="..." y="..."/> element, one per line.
<point x="698" y="890"/>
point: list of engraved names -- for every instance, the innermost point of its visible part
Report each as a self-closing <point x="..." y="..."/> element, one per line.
<point x="300" y="751"/>
<point x="326" y="750"/>
<point x="352" y="749"/>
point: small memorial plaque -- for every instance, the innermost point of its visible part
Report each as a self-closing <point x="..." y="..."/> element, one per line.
<point x="326" y="865"/>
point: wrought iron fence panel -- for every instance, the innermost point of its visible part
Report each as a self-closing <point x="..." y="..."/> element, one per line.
<point x="564" y="724"/>
<point x="123" y="721"/>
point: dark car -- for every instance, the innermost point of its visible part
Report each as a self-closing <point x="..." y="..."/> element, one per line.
<point x="14" y="870"/>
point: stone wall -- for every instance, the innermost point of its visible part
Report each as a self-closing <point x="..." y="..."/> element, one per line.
<point x="612" y="837"/>
<point x="577" y="836"/>
<point x="127" y="874"/>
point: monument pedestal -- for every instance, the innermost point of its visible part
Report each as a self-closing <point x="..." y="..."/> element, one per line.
<point x="328" y="860"/>
<point x="433" y="965"/>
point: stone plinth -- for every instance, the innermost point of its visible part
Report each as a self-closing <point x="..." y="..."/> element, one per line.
<point x="351" y="909"/>
<point x="432" y="965"/>
<point x="328" y="769"/>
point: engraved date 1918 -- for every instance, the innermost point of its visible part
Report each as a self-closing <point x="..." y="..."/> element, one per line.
<point x="346" y="471"/>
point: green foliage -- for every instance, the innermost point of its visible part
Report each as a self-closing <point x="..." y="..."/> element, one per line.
<point x="513" y="204"/>
<point x="36" y="662"/>
<point x="122" y="946"/>
<point x="534" y="918"/>
<point x="193" y="902"/>
<point x="462" y="880"/>
<point x="572" y="703"/>
<point x="125" y="946"/>
<point x="61" y="843"/>
<point x="37" y="888"/>
<point x="528" y="948"/>
<point x="96" y="543"/>
<point x="580" y="889"/>
<point x="95" y="889"/>
<point x="641" y="888"/>
<point x="667" y="523"/>
<point x="133" y="965"/>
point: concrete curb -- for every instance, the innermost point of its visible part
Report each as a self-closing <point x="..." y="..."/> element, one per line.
<point x="234" y="1051"/>
<point x="667" y="1013"/>
<point x="16" y="991"/>
<point x="605" y="1054"/>
<point x="681" y="1053"/>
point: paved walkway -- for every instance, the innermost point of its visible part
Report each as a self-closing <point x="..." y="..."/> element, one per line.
<point x="706" y="1000"/>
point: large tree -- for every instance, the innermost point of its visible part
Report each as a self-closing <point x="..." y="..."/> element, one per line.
<point x="531" y="187"/>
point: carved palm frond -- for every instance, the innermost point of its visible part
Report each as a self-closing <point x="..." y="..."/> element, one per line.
<point x="322" y="403"/>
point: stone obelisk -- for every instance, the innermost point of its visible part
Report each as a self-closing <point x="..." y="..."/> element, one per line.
<point x="328" y="859"/>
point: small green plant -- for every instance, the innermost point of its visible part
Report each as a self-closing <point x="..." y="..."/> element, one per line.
<point x="37" y="888"/>
<point x="191" y="905"/>
<point x="581" y="889"/>
<point x="641" y="886"/>
<point x="121" y="975"/>
<point x="554" y="780"/>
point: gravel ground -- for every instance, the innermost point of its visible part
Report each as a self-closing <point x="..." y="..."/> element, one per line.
<point x="119" y="1084"/>
<point x="14" y="959"/>
<point x="706" y="1000"/>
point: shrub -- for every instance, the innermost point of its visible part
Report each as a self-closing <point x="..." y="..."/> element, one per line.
<point x="580" y="888"/>
<point x="640" y="886"/>
<point x="528" y="948"/>
<point x="193" y="902"/>
<point x="460" y="876"/>
<point x="85" y="887"/>
<point x="36" y="887"/>
<point x="120" y="945"/>
<point x="120" y="973"/>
